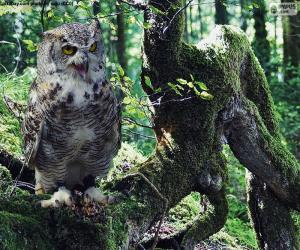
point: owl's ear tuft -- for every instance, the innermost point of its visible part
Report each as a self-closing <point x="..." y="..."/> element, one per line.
<point x="45" y="34"/>
<point x="48" y="34"/>
<point x="95" y="26"/>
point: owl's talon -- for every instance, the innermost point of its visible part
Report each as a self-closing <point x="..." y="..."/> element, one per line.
<point x="87" y="199"/>
<point x="56" y="203"/>
<point x="61" y="197"/>
<point x="71" y="200"/>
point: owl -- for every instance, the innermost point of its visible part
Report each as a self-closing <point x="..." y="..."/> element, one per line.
<point x="71" y="128"/>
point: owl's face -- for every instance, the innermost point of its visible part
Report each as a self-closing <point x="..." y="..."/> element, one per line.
<point x="74" y="50"/>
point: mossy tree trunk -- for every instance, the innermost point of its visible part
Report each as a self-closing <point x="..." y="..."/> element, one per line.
<point x="189" y="132"/>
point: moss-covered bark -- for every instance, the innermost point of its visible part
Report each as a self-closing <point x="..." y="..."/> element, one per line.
<point x="189" y="131"/>
<point x="272" y="221"/>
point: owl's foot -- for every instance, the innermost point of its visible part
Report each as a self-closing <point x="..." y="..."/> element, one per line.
<point x="61" y="197"/>
<point x="94" y="194"/>
<point x="39" y="189"/>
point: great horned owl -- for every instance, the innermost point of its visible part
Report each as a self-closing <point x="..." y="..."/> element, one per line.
<point x="72" y="126"/>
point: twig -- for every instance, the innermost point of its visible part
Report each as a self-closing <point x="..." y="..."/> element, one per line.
<point x="165" y="201"/>
<point x="6" y="42"/>
<point x="6" y="71"/>
<point x="25" y="163"/>
<point x="25" y="184"/>
<point x="11" y="105"/>
<point x="132" y="3"/>
<point x="127" y="119"/>
<point x="117" y="13"/>
<point x="42" y="15"/>
<point x="176" y="14"/>
<point x="145" y="136"/>
<point x="20" y="52"/>
<point x="173" y="100"/>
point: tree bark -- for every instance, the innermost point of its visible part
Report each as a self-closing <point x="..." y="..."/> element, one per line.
<point x="14" y="165"/>
<point x="261" y="44"/>
<point x="200" y="35"/>
<point x="244" y="15"/>
<point x="186" y="26"/>
<point x="221" y="16"/>
<point x="189" y="155"/>
<point x="272" y="221"/>
<point x="291" y="45"/>
<point x="96" y="7"/>
<point x="121" y="46"/>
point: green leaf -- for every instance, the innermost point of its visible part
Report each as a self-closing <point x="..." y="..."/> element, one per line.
<point x="202" y="85"/>
<point x="50" y="14"/>
<point x="192" y="77"/>
<point x="121" y="71"/>
<point x="158" y="90"/>
<point x="31" y="46"/>
<point x="182" y="81"/>
<point x="206" y="96"/>
<point x="148" y="82"/>
<point x="126" y="79"/>
<point x="131" y="19"/>
<point x="171" y="85"/>
<point x="197" y="92"/>
<point x="174" y="88"/>
<point x="191" y="85"/>
<point x="127" y="100"/>
<point x="179" y="87"/>
<point x="147" y="25"/>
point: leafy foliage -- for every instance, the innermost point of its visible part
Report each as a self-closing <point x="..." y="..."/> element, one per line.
<point x="16" y="87"/>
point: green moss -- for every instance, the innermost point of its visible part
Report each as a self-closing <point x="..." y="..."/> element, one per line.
<point x="296" y="219"/>
<point x="237" y="227"/>
<point x="127" y="157"/>
<point x="61" y="227"/>
<point x="19" y="232"/>
<point x="185" y="211"/>
<point x="224" y="238"/>
<point x="5" y="179"/>
<point x="258" y="91"/>
<point x="56" y="228"/>
<point x="119" y="214"/>
<point x="278" y="152"/>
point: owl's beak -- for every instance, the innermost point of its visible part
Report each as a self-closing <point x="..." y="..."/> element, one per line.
<point x="82" y="68"/>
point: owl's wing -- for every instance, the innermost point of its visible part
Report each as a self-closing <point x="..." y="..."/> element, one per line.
<point x="31" y="129"/>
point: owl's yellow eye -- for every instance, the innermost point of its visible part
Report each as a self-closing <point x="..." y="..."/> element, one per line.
<point x="69" y="50"/>
<point x="93" y="47"/>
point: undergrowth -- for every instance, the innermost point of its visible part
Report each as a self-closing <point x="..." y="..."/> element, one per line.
<point x="16" y="88"/>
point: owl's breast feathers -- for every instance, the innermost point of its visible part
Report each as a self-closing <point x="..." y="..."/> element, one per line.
<point x="65" y="118"/>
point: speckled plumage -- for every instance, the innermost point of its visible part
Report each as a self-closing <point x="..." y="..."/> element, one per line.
<point x="72" y="126"/>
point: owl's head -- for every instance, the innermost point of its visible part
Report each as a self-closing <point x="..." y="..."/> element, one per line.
<point x="74" y="50"/>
